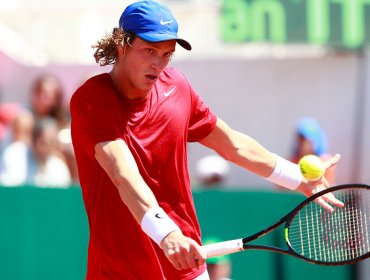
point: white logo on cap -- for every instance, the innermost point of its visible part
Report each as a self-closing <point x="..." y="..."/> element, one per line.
<point x="165" y="22"/>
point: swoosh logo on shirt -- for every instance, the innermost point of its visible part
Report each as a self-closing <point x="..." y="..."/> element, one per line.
<point x="168" y="93"/>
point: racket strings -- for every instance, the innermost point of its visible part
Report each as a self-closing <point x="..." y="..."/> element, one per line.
<point x="333" y="237"/>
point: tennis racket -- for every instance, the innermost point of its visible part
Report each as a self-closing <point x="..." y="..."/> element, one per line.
<point x="317" y="235"/>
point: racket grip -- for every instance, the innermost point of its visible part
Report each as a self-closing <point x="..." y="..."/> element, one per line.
<point x="223" y="248"/>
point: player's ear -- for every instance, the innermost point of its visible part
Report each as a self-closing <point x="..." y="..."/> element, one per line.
<point x="123" y="45"/>
<point x="121" y="49"/>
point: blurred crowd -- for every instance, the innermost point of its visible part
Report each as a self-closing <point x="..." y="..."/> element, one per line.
<point x="35" y="141"/>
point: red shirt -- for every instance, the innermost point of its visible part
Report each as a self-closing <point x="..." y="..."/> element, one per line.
<point x="156" y="130"/>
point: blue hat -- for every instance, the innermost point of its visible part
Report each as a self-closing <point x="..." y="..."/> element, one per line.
<point x="151" y="22"/>
<point x="310" y="129"/>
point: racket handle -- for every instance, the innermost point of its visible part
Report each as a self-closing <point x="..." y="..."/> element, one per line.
<point x="223" y="248"/>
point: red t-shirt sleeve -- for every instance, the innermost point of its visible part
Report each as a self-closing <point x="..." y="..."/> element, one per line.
<point x="94" y="115"/>
<point x="202" y="119"/>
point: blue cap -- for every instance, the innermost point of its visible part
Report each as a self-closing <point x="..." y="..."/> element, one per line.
<point x="310" y="129"/>
<point x="151" y="22"/>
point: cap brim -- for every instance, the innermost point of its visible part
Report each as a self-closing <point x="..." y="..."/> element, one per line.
<point x="185" y="44"/>
<point x="157" y="38"/>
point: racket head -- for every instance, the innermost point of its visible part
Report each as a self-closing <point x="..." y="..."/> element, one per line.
<point x="332" y="238"/>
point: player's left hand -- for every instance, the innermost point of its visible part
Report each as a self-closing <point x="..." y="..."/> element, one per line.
<point x="309" y="188"/>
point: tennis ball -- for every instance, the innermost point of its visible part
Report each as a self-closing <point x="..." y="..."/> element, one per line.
<point x="312" y="167"/>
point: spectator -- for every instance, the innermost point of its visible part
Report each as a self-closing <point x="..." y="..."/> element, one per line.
<point x="40" y="164"/>
<point x="46" y="99"/>
<point x="20" y="159"/>
<point x="212" y="171"/>
<point x="310" y="138"/>
<point x="49" y="167"/>
<point x="47" y="102"/>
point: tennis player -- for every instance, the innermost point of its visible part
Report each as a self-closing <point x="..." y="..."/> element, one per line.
<point x="130" y="129"/>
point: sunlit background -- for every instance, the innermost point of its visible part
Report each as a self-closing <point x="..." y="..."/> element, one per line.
<point x="261" y="65"/>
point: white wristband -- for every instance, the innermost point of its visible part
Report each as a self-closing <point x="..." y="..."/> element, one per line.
<point x="157" y="224"/>
<point x="286" y="174"/>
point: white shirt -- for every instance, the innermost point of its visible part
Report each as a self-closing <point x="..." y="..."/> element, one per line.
<point x="55" y="173"/>
<point x="19" y="167"/>
<point x="14" y="164"/>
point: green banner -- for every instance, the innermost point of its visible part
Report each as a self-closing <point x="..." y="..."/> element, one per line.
<point x="337" y="23"/>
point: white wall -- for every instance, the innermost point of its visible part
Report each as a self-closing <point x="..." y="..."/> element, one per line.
<point x="265" y="98"/>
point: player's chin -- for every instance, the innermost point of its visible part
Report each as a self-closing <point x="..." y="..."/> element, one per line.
<point x="144" y="85"/>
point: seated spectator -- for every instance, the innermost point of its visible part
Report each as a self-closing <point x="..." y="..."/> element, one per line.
<point x="46" y="101"/>
<point x="42" y="164"/>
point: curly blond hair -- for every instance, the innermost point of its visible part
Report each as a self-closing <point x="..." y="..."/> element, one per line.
<point x="106" y="48"/>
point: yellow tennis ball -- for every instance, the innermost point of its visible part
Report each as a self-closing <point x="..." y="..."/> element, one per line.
<point x="312" y="167"/>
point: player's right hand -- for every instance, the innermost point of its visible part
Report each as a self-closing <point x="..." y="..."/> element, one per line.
<point x="309" y="188"/>
<point x="183" y="252"/>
